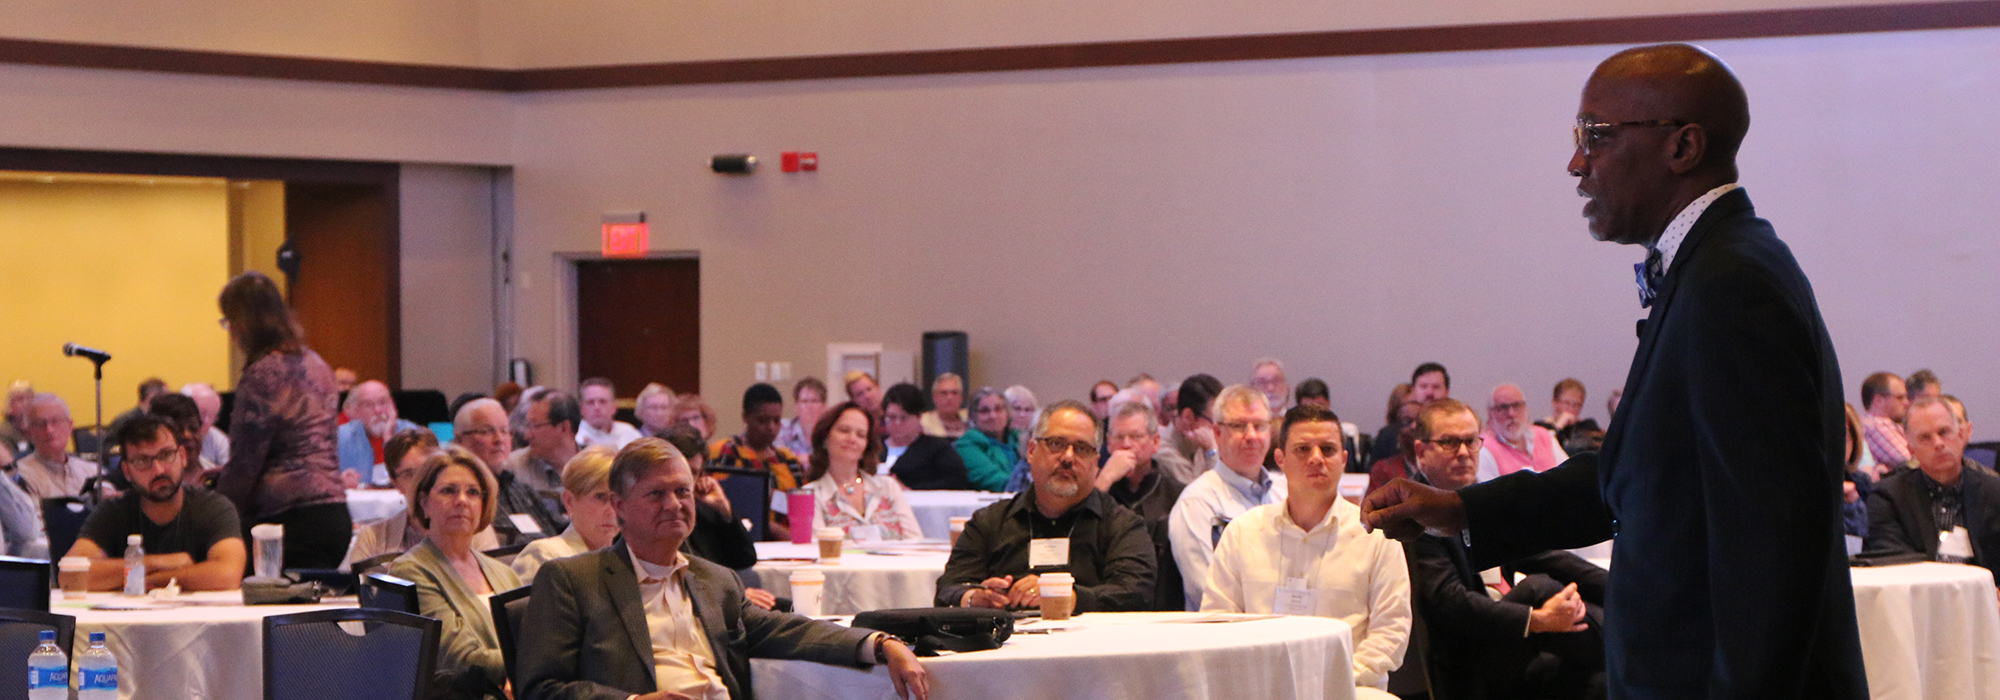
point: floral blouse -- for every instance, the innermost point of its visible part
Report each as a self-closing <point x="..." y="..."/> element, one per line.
<point x="884" y="506"/>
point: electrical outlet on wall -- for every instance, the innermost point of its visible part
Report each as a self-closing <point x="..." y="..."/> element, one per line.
<point x="763" y="371"/>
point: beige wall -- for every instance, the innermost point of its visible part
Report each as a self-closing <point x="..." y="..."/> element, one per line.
<point x="409" y="31"/>
<point x="447" y="261"/>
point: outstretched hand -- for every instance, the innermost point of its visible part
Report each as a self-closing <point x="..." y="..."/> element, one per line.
<point x="1404" y="509"/>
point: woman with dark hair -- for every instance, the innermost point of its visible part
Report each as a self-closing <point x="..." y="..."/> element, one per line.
<point x="918" y="459"/>
<point x="1858" y="480"/>
<point x="846" y="492"/>
<point x="284" y="464"/>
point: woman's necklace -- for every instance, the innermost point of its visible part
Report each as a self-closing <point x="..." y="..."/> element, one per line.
<point x="849" y="488"/>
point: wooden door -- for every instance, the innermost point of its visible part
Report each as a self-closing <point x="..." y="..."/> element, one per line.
<point x="639" y="321"/>
<point x="346" y="293"/>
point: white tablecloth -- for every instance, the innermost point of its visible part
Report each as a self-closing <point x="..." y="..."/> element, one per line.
<point x="370" y="505"/>
<point x="210" y="650"/>
<point x="901" y="575"/>
<point x="935" y="509"/>
<point x="1929" y="631"/>
<point x="1112" y="656"/>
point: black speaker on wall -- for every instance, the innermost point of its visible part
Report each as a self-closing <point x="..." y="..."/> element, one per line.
<point x="947" y="351"/>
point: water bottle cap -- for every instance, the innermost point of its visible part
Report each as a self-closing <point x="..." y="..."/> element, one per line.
<point x="48" y="636"/>
<point x="133" y="539"/>
<point x="97" y="638"/>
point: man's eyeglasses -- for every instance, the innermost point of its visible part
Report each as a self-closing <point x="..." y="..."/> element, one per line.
<point x="1246" y="426"/>
<point x="1504" y="407"/>
<point x="1590" y="136"/>
<point x="479" y="432"/>
<point x="1057" y="446"/>
<point x="1456" y="444"/>
<point x="163" y="458"/>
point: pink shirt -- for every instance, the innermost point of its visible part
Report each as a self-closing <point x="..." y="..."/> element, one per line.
<point x="1885" y="440"/>
<point x="1497" y="458"/>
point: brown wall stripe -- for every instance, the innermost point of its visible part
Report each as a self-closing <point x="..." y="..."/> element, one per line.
<point x="1959" y="14"/>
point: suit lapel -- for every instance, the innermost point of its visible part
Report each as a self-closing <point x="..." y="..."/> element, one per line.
<point x="621" y="585"/>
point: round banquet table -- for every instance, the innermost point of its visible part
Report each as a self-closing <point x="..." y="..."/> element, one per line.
<point x="1113" y="656"/>
<point x="1928" y="631"/>
<point x="370" y="505"/>
<point x="935" y="509"/>
<point x="212" y="648"/>
<point x="873" y="576"/>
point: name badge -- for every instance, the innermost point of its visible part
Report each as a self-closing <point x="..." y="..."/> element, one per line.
<point x="1956" y="543"/>
<point x="526" y="524"/>
<point x="865" y="533"/>
<point x="1294" y="598"/>
<point x="1051" y="551"/>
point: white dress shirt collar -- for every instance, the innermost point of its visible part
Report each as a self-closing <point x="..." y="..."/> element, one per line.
<point x="1677" y="230"/>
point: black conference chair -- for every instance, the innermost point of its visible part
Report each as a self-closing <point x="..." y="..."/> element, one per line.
<point x="24" y="584"/>
<point x="1987" y="453"/>
<point x="749" y="493"/>
<point x="508" y="610"/>
<point x="313" y="655"/>
<point x="506" y="554"/>
<point x="62" y="519"/>
<point x="377" y="563"/>
<point x="422" y="406"/>
<point x="21" y="632"/>
<point x="385" y="592"/>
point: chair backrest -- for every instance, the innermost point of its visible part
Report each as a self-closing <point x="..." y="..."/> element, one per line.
<point x="20" y="633"/>
<point x="1987" y="453"/>
<point x="24" y="584"/>
<point x="422" y="406"/>
<point x="506" y="554"/>
<point x="372" y="563"/>
<point x="62" y="519"/>
<point x="749" y="494"/>
<point x="313" y="655"/>
<point x="385" y="592"/>
<point x="508" y="610"/>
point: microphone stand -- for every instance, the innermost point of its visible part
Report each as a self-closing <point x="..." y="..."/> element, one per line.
<point x="97" y="368"/>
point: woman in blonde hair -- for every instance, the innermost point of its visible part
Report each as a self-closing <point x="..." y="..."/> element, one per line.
<point x="593" y="523"/>
<point x="456" y="498"/>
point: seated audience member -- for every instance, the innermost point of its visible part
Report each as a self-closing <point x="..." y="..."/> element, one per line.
<point x="343" y="380"/>
<point x="1565" y="406"/>
<point x="917" y="459"/>
<point x="1315" y="537"/>
<point x="149" y="388"/>
<point x="1191" y="453"/>
<point x="481" y="427"/>
<point x="1886" y="404"/>
<point x="1964" y="421"/>
<point x="509" y="395"/>
<point x="1428" y="381"/>
<point x="655" y="409"/>
<point x="1392" y="417"/>
<point x="550" y="422"/>
<point x="183" y="417"/>
<point x="808" y="401"/>
<point x="1146" y="385"/>
<point x="586" y="497"/>
<point x="405" y="453"/>
<point x="1314" y="391"/>
<point x="691" y="410"/>
<point x="454" y="502"/>
<point x="1856" y="482"/>
<point x="191" y="535"/>
<point x="599" y="402"/>
<point x="996" y="565"/>
<point x="1170" y="399"/>
<point x="1542" y="637"/>
<point x="1511" y="442"/>
<point x="701" y="633"/>
<point x="1611" y="404"/>
<point x="20" y="521"/>
<point x="1403" y="463"/>
<point x="847" y="493"/>
<point x="1268" y="375"/>
<point x="214" y="442"/>
<point x="1944" y="508"/>
<point x="863" y="390"/>
<point x="988" y="450"/>
<point x="371" y="419"/>
<point x="1022" y="407"/>
<point x="757" y="448"/>
<point x="946" y="419"/>
<point x="1923" y="383"/>
<point x="1132" y="476"/>
<point x="1224" y="493"/>
<point x="14" y="430"/>
<point x="51" y="471"/>
<point x="1100" y="402"/>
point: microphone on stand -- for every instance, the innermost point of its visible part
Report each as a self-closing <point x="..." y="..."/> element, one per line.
<point x="94" y="354"/>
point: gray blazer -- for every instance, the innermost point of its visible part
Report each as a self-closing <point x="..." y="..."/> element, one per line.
<point x="590" y="640"/>
<point x="466" y="640"/>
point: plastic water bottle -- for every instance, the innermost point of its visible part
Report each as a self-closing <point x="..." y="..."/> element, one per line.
<point x="135" y="566"/>
<point x="48" y="670"/>
<point x="97" y="670"/>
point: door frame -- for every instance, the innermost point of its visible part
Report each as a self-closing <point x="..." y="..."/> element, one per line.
<point x="567" y="354"/>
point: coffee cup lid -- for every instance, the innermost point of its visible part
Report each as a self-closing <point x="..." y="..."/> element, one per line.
<point x="807" y="576"/>
<point x="829" y="533"/>
<point x="1057" y="577"/>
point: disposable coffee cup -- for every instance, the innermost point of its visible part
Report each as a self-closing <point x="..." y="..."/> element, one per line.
<point x="270" y="550"/>
<point x="831" y="539"/>
<point x="958" y="527"/>
<point x="799" y="507"/>
<point x="807" y="585"/>
<point x="74" y="573"/>
<point x="1058" y="592"/>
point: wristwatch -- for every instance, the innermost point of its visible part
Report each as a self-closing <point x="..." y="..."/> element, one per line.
<point x="882" y="648"/>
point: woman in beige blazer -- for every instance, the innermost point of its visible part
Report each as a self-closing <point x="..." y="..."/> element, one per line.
<point x="455" y="499"/>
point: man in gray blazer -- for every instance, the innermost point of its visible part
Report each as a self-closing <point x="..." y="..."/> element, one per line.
<point x="641" y="619"/>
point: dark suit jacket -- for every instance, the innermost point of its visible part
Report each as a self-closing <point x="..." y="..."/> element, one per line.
<point x="590" y="638"/>
<point x="1720" y="477"/>
<point x="932" y="463"/>
<point x="1476" y="642"/>
<point x="1900" y="520"/>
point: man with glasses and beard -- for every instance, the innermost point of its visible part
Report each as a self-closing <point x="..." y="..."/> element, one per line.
<point x="1060" y="523"/>
<point x="189" y="534"/>
<point x="1511" y="442"/>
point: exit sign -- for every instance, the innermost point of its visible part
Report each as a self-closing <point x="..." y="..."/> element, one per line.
<point x="625" y="240"/>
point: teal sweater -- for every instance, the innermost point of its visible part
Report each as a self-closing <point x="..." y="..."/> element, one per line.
<point x="988" y="463"/>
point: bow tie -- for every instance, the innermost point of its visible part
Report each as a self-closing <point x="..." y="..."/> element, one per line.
<point x="1648" y="274"/>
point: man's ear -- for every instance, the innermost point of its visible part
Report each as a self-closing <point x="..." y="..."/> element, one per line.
<point x="1686" y="148"/>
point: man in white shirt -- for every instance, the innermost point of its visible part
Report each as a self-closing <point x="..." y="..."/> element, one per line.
<point x="1243" y="430"/>
<point x="595" y="613"/>
<point x="52" y="472"/>
<point x="1309" y="555"/>
<point x="600" y="408"/>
